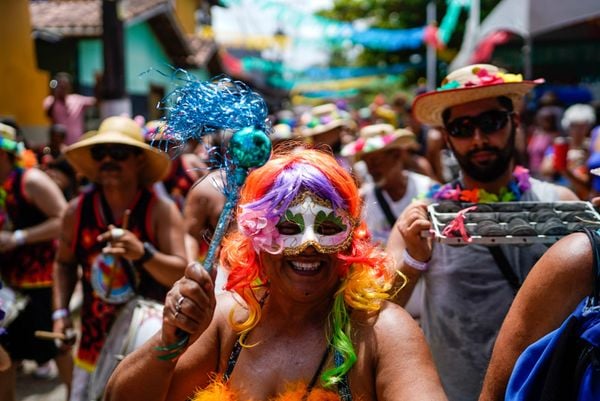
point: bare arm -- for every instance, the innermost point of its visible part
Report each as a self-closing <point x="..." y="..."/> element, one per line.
<point x="65" y="267"/>
<point x="142" y="376"/>
<point x="552" y="290"/>
<point x="405" y="369"/>
<point x="46" y="196"/>
<point x="406" y="234"/>
<point x="168" y="265"/>
<point x="169" y="261"/>
<point x="565" y="194"/>
<point x="203" y="207"/>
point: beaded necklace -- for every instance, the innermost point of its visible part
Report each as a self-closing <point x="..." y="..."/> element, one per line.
<point x="453" y="191"/>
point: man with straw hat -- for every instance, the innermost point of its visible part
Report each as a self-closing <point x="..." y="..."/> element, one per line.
<point x="127" y="239"/>
<point x="327" y="125"/>
<point x="384" y="152"/>
<point x="31" y="205"/>
<point x="469" y="289"/>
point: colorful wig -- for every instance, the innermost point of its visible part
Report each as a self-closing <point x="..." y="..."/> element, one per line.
<point x="365" y="271"/>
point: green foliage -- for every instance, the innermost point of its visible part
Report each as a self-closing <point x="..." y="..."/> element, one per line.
<point x="396" y="14"/>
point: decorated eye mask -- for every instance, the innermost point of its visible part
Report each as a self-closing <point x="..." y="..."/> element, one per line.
<point x="311" y="220"/>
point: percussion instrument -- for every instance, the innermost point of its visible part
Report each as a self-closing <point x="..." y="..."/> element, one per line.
<point x="139" y="320"/>
<point x="11" y="302"/>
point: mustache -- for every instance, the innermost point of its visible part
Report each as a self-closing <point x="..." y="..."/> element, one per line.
<point x="490" y="149"/>
<point x="110" y="166"/>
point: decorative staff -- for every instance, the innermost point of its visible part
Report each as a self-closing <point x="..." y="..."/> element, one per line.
<point x="197" y="108"/>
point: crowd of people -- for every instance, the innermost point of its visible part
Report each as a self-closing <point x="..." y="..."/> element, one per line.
<point x="326" y="287"/>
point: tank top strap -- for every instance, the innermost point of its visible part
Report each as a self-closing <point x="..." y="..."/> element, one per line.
<point x="233" y="357"/>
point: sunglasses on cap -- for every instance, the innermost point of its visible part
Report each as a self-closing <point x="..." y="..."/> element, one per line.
<point x="118" y="153"/>
<point x="488" y="122"/>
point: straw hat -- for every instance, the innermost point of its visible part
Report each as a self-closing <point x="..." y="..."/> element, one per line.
<point x="282" y="132"/>
<point x="468" y="84"/>
<point x="377" y="137"/>
<point x="325" y="118"/>
<point x="9" y="142"/>
<point x="123" y="131"/>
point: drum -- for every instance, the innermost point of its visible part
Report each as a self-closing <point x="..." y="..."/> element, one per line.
<point x="11" y="302"/>
<point x="139" y="320"/>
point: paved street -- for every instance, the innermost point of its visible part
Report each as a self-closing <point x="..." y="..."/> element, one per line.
<point x="30" y="388"/>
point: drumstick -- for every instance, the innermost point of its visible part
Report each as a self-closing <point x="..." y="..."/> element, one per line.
<point x="113" y="267"/>
<point x="50" y="335"/>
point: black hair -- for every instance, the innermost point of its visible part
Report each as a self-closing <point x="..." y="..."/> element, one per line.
<point x="61" y="164"/>
<point x="63" y="76"/>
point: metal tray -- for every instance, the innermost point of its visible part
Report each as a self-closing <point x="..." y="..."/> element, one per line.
<point x="567" y="217"/>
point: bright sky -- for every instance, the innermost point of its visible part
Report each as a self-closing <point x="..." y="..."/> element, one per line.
<point x="250" y="18"/>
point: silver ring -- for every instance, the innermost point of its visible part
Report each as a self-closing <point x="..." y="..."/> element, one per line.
<point x="179" y="303"/>
<point x="176" y="314"/>
<point x="117" y="233"/>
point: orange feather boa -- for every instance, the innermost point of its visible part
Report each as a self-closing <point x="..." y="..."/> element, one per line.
<point x="219" y="391"/>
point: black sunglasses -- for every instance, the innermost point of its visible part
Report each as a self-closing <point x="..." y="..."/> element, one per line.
<point x="488" y="122"/>
<point x="117" y="153"/>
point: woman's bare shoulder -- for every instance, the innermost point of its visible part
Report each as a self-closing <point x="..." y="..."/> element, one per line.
<point x="390" y="320"/>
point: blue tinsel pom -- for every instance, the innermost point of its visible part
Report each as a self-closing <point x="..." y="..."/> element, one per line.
<point x="196" y="108"/>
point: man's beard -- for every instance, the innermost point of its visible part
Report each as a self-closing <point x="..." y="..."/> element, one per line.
<point x="495" y="168"/>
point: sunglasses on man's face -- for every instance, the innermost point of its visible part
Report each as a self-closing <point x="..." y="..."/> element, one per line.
<point x="488" y="122"/>
<point x="117" y="153"/>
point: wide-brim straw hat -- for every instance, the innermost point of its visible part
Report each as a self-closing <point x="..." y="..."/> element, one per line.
<point x="376" y="137"/>
<point x="325" y="118"/>
<point x="122" y="131"/>
<point x="468" y="84"/>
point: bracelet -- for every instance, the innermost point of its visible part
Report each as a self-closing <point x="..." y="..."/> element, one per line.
<point x="60" y="313"/>
<point x="20" y="236"/>
<point x="149" y="252"/>
<point x="173" y="350"/>
<point x="414" y="263"/>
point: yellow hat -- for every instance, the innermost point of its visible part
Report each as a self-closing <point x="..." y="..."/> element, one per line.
<point x="118" y="130"/>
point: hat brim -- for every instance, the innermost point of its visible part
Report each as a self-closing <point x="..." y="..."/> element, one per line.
<point x="428" y="107"/>
<point x="155" y="168"/>
<point x="321" y="129"/>
<point x="402" y="142"/>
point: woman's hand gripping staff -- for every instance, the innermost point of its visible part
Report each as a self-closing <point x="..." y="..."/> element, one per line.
<point x="188" y="311"/>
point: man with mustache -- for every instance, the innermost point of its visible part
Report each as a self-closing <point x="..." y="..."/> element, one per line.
<point x="128" y="240"/>
<point x="467" y="294"/>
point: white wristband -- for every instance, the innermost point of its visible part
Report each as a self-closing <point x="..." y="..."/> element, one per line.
<point x="60" y="313"/>
<point x="412" y="262"/>
<point x="20" y="237"/>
